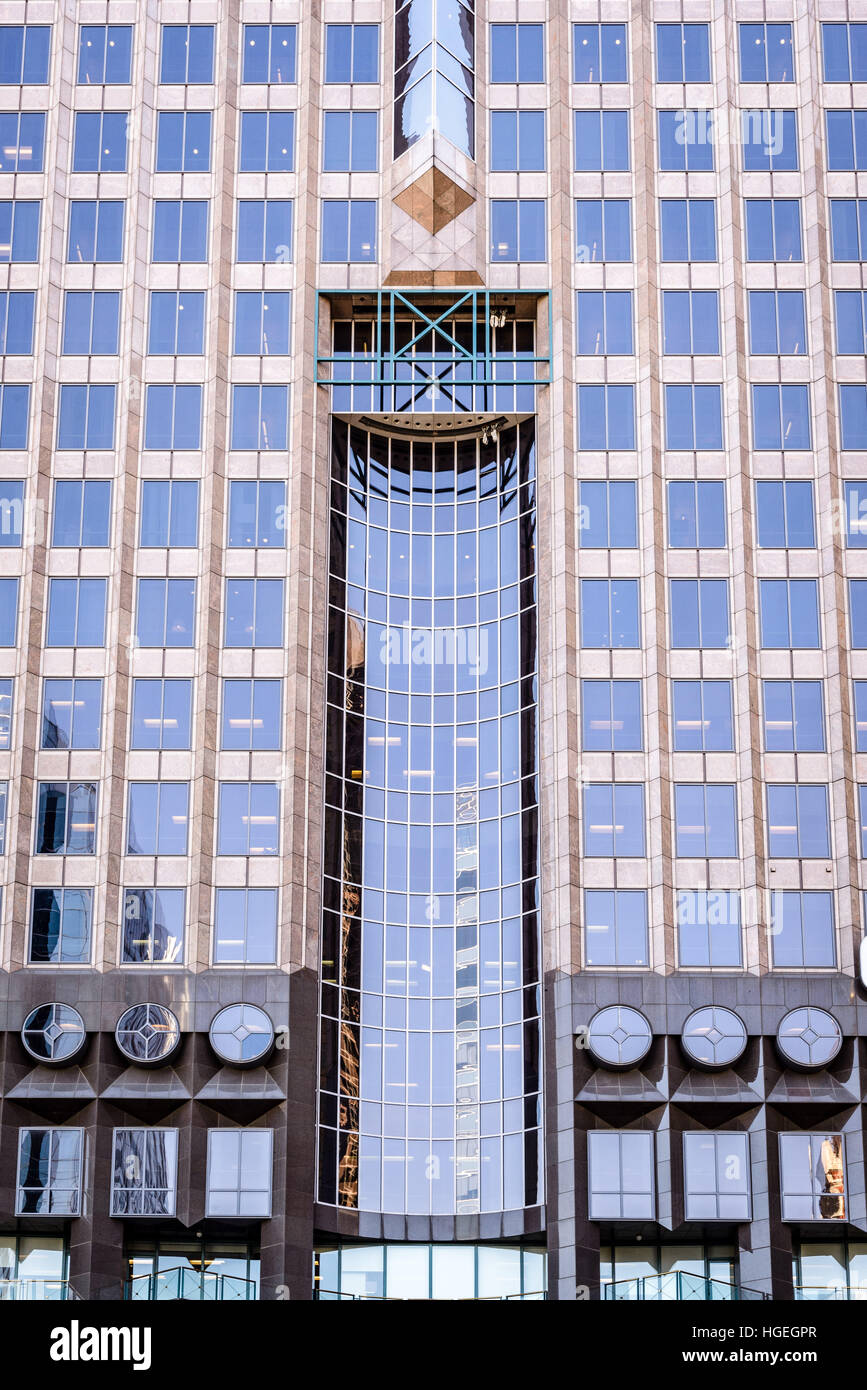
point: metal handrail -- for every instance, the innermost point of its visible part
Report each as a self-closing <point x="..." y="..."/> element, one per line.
<point x="819" y="1293"/>
<point x="679" y="1285"/>
<point x="181" y="1282"/>
<point x="328" y="1294"/>
<point x="36" y="1290"/>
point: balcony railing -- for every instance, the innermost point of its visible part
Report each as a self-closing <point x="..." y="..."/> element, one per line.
<point x="325" y="1295"/>
<point x="679" y="1286"/>
<point x="820" y="1293"/>
<point x="182" y="1283"/>
<point x="36" y="1290"/>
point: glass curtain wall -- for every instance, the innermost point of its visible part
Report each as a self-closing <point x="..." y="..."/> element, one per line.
<point x="434" y="62"/>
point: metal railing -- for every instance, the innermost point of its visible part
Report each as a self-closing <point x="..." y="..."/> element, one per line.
<point x="182" y="1283"/>
<point x="332" y="1295"/>
<point x="679" y="1286"/>
<point x="36" y="1290"/>
<point x="820" y="1293"/>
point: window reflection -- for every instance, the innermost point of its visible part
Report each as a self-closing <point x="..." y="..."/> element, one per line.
<point x="434" y="62"/>
<point x="429" y="1271"/>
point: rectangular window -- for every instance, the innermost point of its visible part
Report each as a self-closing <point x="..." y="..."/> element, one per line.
<point x="798" y="822"/>
<point x="770" y="141"/>
<point x="789" y="612"/>
<point x="603" y="230"/>
<point x="173" y="417"/>
<point x="697" y="515"/>
<point x="682" y="53"/>
<point x="19" y="231"/>
<point x="685" y="141"/>
<point x="773" y="229"/>
<point x="254" y="613"/>
<point x="348" y="230"/>
<point x="813" y="1175"/>
<point x="16" y="322"/>
<point x="251" y="714"/>
<point x="180" y="230"/>
<point x="611" y="716"/>
<point x="8" y="611"/>
<point x="245" y="926"/>
<point x="239" y="1173"/>
<point x="844" y="50"/>
<point x="82" y="512"/>
<point x="95" y="231"/>
<point x="853" y="417"/>
<point x="862" y="812"/>
<point x="614" y="820"/>
<point x="157" y="818"/>
<point x="25" y="53"/>
<point x="269" y="53"/>
<point x="264" y="231"/>
<point x="860" y="688"/>
<point x="60" y="926"/>
<point x="267" y="142"/>
<point x="66" y="818"/>
<point x="846" y="133"/>
<point x="76" y="613"/>
<point x="690" y="322"/>
<point x="260" y="417"/>
<point x="793" y="720"/>
<point x="177" y="323"/>
<point x="784" y="515"/>
<point x="161" y="713"/>
<point x="71" y="713"/>
<point x="849" y="229"/>
<point x="699" y="613"/>
<point x="91" y="323"/>
<point x="517" y="52"/>
<point x="248" y="818"/>
<point x="351" y="141"/>
<point x="705" y="821"/>
<point x="716" y="1175"/>
<point x="257" y="513"/>
<point x="49" y="1172"/>
<point x="351" y="53"/>
<point x="778" y="323"/>
<point x="4" y="807"/>
<point x="7" y="690"/>
<point x="609" y="613"/>
<point x="169" y="513"/>
<point x="11" y="513"/>
<point x="781" y="417"/>
<point x="599" y="53"/>
<point x="693" y="417"/>
<point x="849" y="306"/>
<point x="802" y="930"/>
<point x="688" y="229"/>
<point x="766" y="53"/>
<point x="86" y="417"/>
<point x="620" y="1164"/>
<point x="22" y="142"/>
<point x="183" y="142"/>
<point x="153" y="926"/>
<point x="166" y="612"/>
<point x="855" y="504"/>
<point x="606" y="417"/>
<point x="99" y="142"/>
<point x="187" y="53"/>
<point x="607" y="515"/>
<point x="14" y="416"/>
<point x="262" y="322"/>
<point x="601" y="141"/>
<point x="517" y="141"/>
<point x="104" y="54"/>
<point x="615" y="927"/>
<point x="702" y="716"/>
<point x="518" y="229"/>
<point x="708" y="929"/>
<point x="144" y="1172"/>
<point x="604" y="322"/>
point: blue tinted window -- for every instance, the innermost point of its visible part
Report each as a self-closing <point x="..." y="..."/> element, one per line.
<point x="777" y="322"/>
<point x="844" y="48"/>
<point x="604" y="322"/>
<point x="95" y="231"/>
<point x="91" y="322"/>
<point x="86" y="417"/>
<point x="161" y="713"/>
<point x="245" y="925"/>
<point x="802" y="930"/>
<point x="781" y="417"/>
<point x="348" y="230"/>
<point x="173" y="417"/>
<point x="688" y="229"/>
<point x="99" y="142"/>
<point x="7" y="689"/>
<point x="784" y="515"/>
<point x="104" y="54"/>
<point x="847" y="139"/>
<point x="165" y="614"/>
<point x="180" y="230"/>
<point x="603" y="229"/>
<point x="850" y="319"/>
<point x="60" y="926"/>
<point x="169" y="512"/>
<point x="251" y="714"/>
<point x="260" y="417"/>
<point x="16" y="322"/>
<point x="517" y="140"/>
<point x="269" y="53"/>
<point x="699" y="613"/>
<point x="853" y="417"/>
<point x="187" y="53"/>
<point x="690" y="321"/>
<point x="264" y="230"/>
<point x="615" y="927"/>
<point x="773" y="229"/>
<point x="8" y="611"/>
<point x="606" y="417"/>
<point x="254" y="613"/>
<point x="685" y="140"/>
<point x="22" y="142"/>
<point x="25" y="51"/>
<point x="71" y="713"/>
<point x="248" y="818"/>
<point x="518" y="229"/>
<point x="11" y="516"/>
<point x="267" y="141"/>
<point x="157" y="817"/>
<point x="19" y="231"/>
<point x="611" y="716"/>
<point x="153" y="926"/>
<point x="614" y="819"/>
<point x="257" y="513"/>
<point x="609" y="613"/>
<point x="351" y="53"/>
<point x="849" y="229"/>
<point x="708" y="929"/>
<point x="766" y="53"/>
<point x="682" y="53"/>
<point x="262" y="322"/>
<point x="798" y="822"/>
<point x="351" y="141"/>
<point x="82" y="512"/>
<point x="177" y="322"/>
<point x="76" y="613"/>
<point x="607" y="514"/>
<point x="855" y="502"/>
<point x="14" y="413"/>
<point x="770" y="140"/>
<point x="702" y="716"/>
<point x="858" y="611"/>
<point x="789" y="610"/>
<point x="705" y="821"/>
<point x="793" y="721"/>
<point x="697" y="514"/>
<point x="599" y="53"/>
<point x="183" y="142"/>
<point x="517" y="52"/>
<point x="693" y="417"/>
<point x="601" y="140"/>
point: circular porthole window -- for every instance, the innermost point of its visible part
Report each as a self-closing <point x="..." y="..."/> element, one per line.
<point x="53" y="1033"/>
<point x="619" y="1037"/>
<point x="147" y="1033"/>
<point x="809" y="1037"/>
<point x="713" y="1037"/>
<point x="242" y="1034"/>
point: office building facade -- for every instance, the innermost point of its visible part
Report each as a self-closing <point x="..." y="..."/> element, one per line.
<point x="433" y="649"/>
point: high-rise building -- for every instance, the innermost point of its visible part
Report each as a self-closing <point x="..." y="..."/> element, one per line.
<point x="433" y="649"/>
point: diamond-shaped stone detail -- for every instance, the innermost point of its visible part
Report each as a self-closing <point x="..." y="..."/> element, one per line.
<point x="434" y="200"/>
